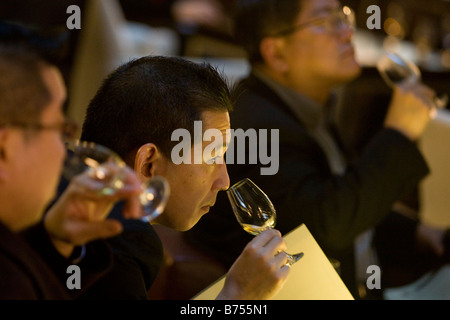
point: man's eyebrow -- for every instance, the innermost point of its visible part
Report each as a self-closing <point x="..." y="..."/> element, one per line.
<point x="324" y="10"/>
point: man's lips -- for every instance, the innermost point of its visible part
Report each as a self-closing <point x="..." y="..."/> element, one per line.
<point x="347" y="51"/>
<point x="208" y="206"/>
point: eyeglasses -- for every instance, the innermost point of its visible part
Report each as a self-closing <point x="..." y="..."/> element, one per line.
<point x="67" y="128"/>
<point x="335" y="21"/>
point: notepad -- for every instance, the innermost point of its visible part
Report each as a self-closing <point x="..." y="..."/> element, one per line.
<point x="311" y="278"/>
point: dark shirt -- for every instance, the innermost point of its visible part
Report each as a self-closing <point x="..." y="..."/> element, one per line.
<point x="30" y="267"/>
<point x="137" y="257"/>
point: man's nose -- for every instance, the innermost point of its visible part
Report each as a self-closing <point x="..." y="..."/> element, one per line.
<point x="223" y="181"/>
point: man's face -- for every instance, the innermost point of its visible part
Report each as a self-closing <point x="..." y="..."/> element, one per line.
<point x="318" y="54"/>
<point x="36" y="159"/>
<point x="194" y="187"/>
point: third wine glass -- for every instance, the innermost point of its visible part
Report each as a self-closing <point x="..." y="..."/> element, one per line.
<point x="395" y="69"/>
<point x="254" y="210"/>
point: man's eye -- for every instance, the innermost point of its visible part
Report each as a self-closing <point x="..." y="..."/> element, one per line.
<point x="212" y="160"/>
<point x="219" y="160"/>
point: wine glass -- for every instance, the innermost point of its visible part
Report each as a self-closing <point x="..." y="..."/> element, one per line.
<point x="394" y="69"/>
<point x="254" y="210"/>
<point x="107" y="167"/>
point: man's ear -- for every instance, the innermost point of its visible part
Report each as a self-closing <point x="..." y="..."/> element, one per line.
<point x="3" y="153"/>
<point x="271" y="49"/>
<point x="3" y="137"/>
<point x="144" y="163"/>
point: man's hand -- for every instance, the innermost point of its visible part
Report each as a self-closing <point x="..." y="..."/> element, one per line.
<point x="411" y="109"/>
<point x="260" y="271"/>
<point x="79" y="215"/>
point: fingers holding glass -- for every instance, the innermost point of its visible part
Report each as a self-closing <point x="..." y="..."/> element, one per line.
<point x="396" y="70"/>
<point x="253" y="210"/>
<point x="108" y="173"/>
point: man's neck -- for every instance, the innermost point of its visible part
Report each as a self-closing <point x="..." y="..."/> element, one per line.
<point x="314" y="90"/>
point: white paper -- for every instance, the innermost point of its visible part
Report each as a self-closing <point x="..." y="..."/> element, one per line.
<point x="311" y="278"/>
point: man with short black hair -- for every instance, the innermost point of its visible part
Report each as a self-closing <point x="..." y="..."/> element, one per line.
<point x="35" y="252"/>
<point x="300" y="51"/>
<point x="136" y="112"/>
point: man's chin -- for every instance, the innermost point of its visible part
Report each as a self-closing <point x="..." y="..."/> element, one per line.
<point x="181" y="225"/>
<point x="193" y="222"/>
<point x="350" y="75"/>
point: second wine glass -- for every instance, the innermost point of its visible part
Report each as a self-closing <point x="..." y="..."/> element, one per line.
<point x="106" y="167"/>
<point x="394" y="69"/>
<point x="254" y="211"/>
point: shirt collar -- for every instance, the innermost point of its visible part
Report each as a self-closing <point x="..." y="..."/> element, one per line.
<point x="309" y="112"/>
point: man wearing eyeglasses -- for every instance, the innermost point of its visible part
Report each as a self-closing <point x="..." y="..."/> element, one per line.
<point x="36" y="253"/>
<point x="300" y="51"/>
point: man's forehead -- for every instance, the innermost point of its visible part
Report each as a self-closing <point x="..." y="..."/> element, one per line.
<point x="55" y="83"/>
<point x="219" y="120"/>
<point x="317" y="7"/>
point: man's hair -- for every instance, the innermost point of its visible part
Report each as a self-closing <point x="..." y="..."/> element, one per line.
<point x="256" y="19"/>
<point x="24" y="52"/>
<point x="146" y="99"/>
<point x="50" y="43"/>
<point x="23" y="93"/>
